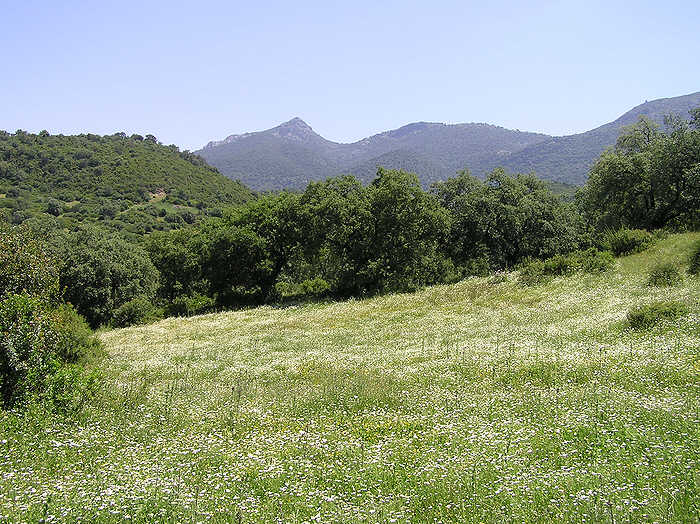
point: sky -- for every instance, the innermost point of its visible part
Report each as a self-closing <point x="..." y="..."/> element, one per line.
<point x="191" y="72"/>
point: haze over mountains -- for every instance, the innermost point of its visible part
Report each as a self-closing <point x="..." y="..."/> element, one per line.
<point x="291" y="155"/>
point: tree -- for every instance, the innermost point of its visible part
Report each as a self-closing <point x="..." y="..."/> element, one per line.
<point x="179" y="256"/>
<point x="409" y="227"/>
<point x="239" y="267"/>
<point x="649" y="180"/>
<point x="54" y="207"/>
<point x="336" y="225"/>
<point x="499" y="221"/>
<point x="101" y="274"/>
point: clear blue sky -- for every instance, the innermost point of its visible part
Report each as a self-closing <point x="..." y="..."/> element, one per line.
<point x="190" y="72"/>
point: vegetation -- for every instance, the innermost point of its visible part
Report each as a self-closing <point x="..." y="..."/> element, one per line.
<point x="664" y="274"/>
<point x="589" y="261"/>
<point x="340" y="239"/>
<point x="101" y="274"/>
<point x="476" y="399"/>
<point x="627" y="241"/>
<point x="650" y="180"/>
<point x="480" y="401"/>
<point x="647" y="315"/>
<point x="694" y="265"/>
<point x="131" y="184"/>
<point x="39" y="336"/>
<point x="503" y="220"/>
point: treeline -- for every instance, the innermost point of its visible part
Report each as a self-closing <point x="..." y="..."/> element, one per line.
<point x="342" y="239"/>
<point x="336" y="239"/>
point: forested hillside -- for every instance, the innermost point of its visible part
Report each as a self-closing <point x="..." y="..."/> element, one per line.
<point x="130" y="183"/>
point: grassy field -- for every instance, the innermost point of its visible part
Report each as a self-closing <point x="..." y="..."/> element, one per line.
<point x="483" y="401"/>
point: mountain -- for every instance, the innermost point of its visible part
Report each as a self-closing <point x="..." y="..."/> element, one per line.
<point x="126" y="183"/>
<point x="292" y="154"/>
<point x="569" y="158"/>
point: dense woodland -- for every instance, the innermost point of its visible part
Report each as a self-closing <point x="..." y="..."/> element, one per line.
<point x="97" y="240"/>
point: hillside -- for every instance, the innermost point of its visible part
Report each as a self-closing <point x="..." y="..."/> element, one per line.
<point x="482" y="401"/>
<point x="292" y="154"/>
<point x="569" y="158"/>
<point x="128" y="182"/>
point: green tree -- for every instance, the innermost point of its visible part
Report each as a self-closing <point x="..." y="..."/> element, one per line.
<point x="239" y="266"/>
<point x="409" y="228"/>
<point x="649" y="180"/>
<point x="500" y="221"/>
<point x="100" y="274"/>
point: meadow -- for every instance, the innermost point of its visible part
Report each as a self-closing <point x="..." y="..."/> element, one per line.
<point x="482" y="401"/>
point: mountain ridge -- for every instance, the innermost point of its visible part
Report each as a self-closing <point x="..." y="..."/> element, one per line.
<point x="292" y="154"/>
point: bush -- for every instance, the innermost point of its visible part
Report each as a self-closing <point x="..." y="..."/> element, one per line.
<point x="315" y="287"/>
<point x="139" y="310"/>
<point x="645" y="316"/>
<point x="69" y="388"/>
<point x="76" y="340"/>
<point x="188" y="305"/>
<point x="533" y="273"/>
<point x="594" y="261"/>
<point x="627" y="241"/>
<point x="25" y="265"/>
<point x="588" y="261"/>
<point x="694" y="268"/>
<point x="664" y="274"/>
<point x="38" y="336"/>
<point x="28" y="343"/>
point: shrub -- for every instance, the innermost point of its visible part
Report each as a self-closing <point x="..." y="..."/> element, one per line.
<point x="28" y="342"/>
<point x="315" y="287"/>
<point x="38" y="337"/>
<point x="68" y="389"/>
<point x="664" y="274"/>
<point x="645" y="316"/>
<point x="76" y="340"/>
<point x="694" y="268"/>
<point x="139" y="310"/>
<point x="188" y="305"/>
<point x="533" y="273"/>
<point x="25" y="265"/>
<point x="588" y="261"/>
<point x="627" y="241"/>
<point x="594" y="261"/>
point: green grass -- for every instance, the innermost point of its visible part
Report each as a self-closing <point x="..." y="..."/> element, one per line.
<point x="474" y="402"/>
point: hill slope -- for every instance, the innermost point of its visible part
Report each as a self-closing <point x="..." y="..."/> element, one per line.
<point x="480" y="401"/>
<point x="109" y="178"/>
<point x="569" y="158"/>
<point x="292" y="154"/>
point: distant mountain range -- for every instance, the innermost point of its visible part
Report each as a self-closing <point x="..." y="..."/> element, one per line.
<point x="291" y="155"/>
